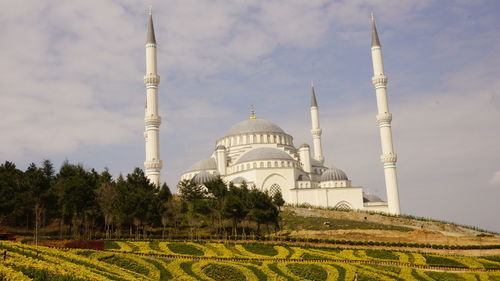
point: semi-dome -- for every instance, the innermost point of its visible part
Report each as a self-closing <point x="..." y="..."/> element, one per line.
<point x="239" y="180"/>
<point x="303" y="177"/>
<point x="204" y="164"/>
<point x="253" y="126"/>
<point x="334" y="174"/>
<point x="368" y="197"/>
<point x="264" y="153"/>
<point x="203" y="177"/>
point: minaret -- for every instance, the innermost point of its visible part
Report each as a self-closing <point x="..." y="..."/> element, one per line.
<point x="316" y="130"/>
<point x="384" y="118"/>
<point x="152" y="120"/>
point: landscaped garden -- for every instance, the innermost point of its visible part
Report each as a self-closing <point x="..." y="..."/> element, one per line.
<point x="211" y="260"/>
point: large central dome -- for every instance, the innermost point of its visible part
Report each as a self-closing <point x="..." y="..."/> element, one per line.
<point x="254" y="126"/>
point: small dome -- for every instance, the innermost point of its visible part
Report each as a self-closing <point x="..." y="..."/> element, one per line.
<point x="203" y="177"/>
<point x="334" y="174"/>
<point x="254" y="126"/>
<point x="304" y="145"/>
<point x="303" y="178"/>
<point x="367" y="197"/>
<point x="204" y="164"/>
<point x="264" y="153"/>
<point x="239" y="180"/>
<point x="220" y="146"/>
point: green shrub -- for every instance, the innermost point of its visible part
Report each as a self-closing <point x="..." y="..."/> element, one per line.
<point x="381" y="254"/>
<point x="261" y="276"/>
<point x="155" y="245"/>
<point x="442" y="261"/>
<point x="308" y="271"/>
<point x="492" y="258"/>
<point x="185" y="249"/>
<point x="43" y="275"/>
<point x="186" y="267"/>
<point x="222" y="272"/>
<point x="275" y="268"/>
<point x="164" y="273"/>
<point x="126" y="263"/>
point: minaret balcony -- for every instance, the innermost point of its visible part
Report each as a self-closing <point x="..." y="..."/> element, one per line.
<point x="153" y="164"/>
<point x="384" y="117"/>
<point x="152" y="121"/>
<point x="379" y="80"/>
<point x="389" y="158"/>
<point x="151" y="79"/>
<point x="316" y="132"/>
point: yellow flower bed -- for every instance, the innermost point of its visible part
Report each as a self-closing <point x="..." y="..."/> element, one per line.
<point x="221" y="249"/>
<point x="469" y="262"/>
<point x="418" y="259"/>
<point x="333" y="273"/>
<point x="349" y="254"/>
<point x="124" y="247"/>
<point x="297" y="253"/>
<point x="9" y="274"/>
<point x="282" y="252"/>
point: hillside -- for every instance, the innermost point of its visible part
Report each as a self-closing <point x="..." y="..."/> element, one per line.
<point x="360" y="226"/>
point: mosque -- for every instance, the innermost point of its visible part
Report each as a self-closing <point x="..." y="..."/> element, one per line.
<point x="261" y="154"/>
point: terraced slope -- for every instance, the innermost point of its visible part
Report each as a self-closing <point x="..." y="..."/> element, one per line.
<point x="154" y="260"/>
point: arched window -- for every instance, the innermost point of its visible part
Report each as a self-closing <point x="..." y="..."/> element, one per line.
<point x="343" y="206"/>
<point x="275" y="188"/>
<point x="261" y="164"/>
<point x="269" y="164"/>
<point x="275" y="164"/>
<point x="254" y="165"/>
<point x="248" y="166"/>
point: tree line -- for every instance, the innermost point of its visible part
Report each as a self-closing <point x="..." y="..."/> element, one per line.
<point x="82" y="204"/>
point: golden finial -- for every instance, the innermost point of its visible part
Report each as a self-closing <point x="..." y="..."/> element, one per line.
<point x="252" y="113"/>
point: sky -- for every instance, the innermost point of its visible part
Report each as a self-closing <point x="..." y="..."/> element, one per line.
<point x="71" y="87"/>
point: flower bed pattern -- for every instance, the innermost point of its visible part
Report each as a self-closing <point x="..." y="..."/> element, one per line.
<point x="139" y="260"/>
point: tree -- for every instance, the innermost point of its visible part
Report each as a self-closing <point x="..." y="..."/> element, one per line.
<point x="106" y="196"/>
<point x="166" y="207"/>
<point x="236" y="206"/>
<point x="10" y="180"/>
<point x="278" y="200"/>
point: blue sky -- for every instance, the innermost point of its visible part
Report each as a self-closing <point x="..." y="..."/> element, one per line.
<point x="71" y="87"/>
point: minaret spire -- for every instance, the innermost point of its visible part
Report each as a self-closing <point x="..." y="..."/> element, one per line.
<point x="313" y="96"/>
<point x="316" y="130"/>
<point x="384" y="118"/>
<point x="151" y="30"/>
<point x="375" y="40"/>
<point x="152" y="120"/>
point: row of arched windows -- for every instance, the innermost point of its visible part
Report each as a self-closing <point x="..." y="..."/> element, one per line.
<point x="264" y="164"/>
<point x="256" y="138"/>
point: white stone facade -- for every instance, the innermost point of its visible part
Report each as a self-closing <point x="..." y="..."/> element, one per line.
<point x="263" y="155"/>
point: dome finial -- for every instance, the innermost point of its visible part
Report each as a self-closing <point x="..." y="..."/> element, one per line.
<point x="252" y="113"/>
